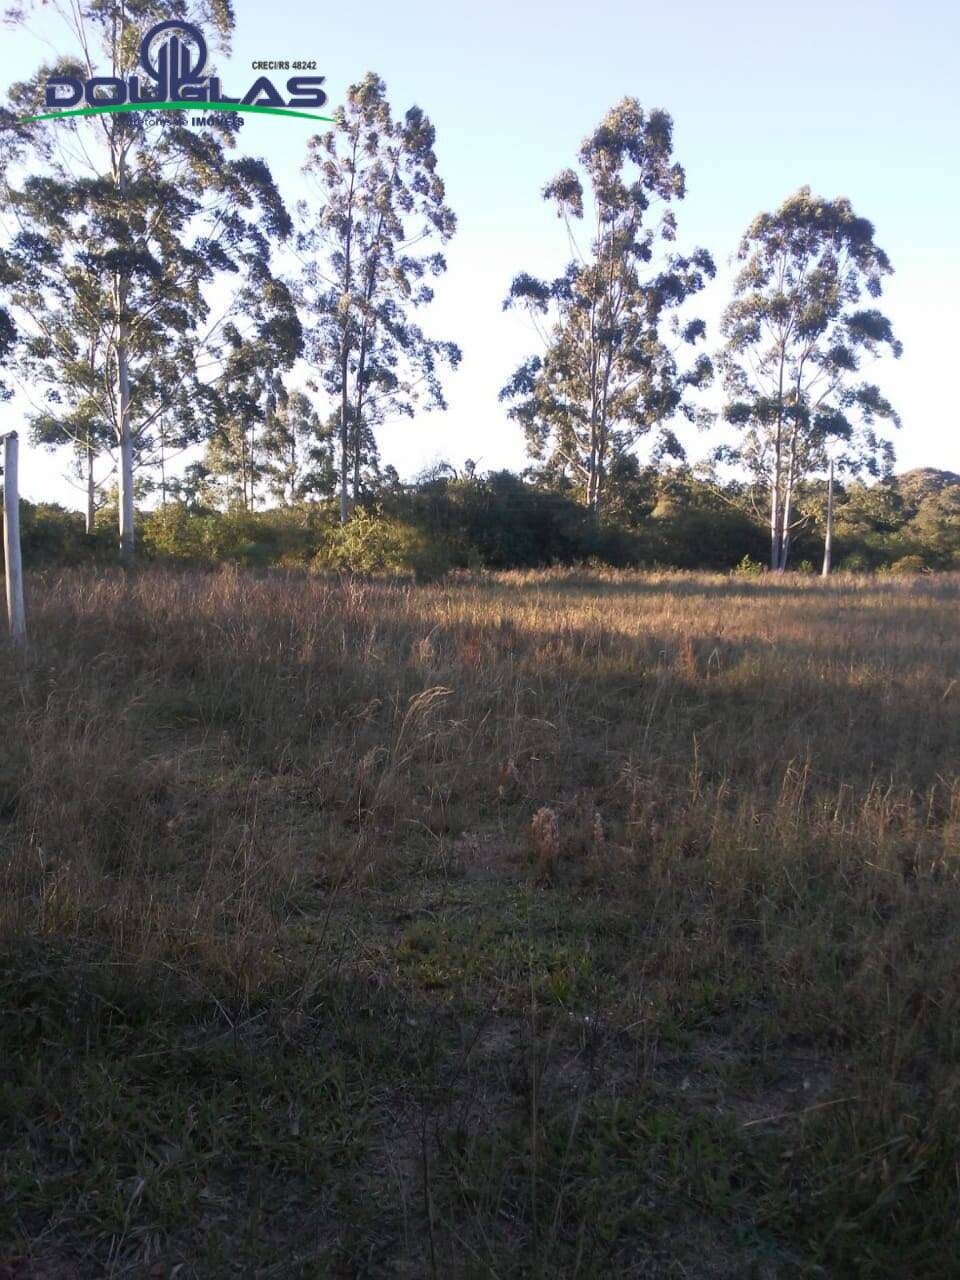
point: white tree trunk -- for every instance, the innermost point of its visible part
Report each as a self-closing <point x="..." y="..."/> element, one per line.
<point x="126" y="456"/>
<point x="788" y="505"/>
<point x="344" y="447"/>
<point x="11" y="541"/>
<point x="777" y="479"/>
<point x="163" y="466"/>
<point x="252" y="464"/>
<point x="91" y="492"/>
<point x="123" y="395"/>
<point x="775" y="524"/>
<point x="828" y="540"/>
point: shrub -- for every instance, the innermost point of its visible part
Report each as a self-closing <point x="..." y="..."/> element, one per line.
<point x="908" y="564"/>
<point x="286" y="536"/>
<point x="702" y="537"/>
<point x="748" y="568"/>
<point x="174" y="533"/>
<point x="373" y="543"/>
<point x="51" y="535"/>
<point x="856" y="562"/>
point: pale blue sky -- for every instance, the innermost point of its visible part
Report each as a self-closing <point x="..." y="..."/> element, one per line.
<point x="852" y="98"/>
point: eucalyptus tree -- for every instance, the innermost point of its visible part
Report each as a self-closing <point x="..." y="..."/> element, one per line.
<point x="299" y="461"/>
<point x="8" y="338"/>
<point x="71" y="412"/>
<point x="232" y="470"/>
<point x="796" y="335"/>
<point x="87" y="431"/>
<point x="610" y="323"/>
<point x="120" y="226"/>
<point x="235" y="458"/>
<point x="277" y="445"/>
<point x="370" y="244"/>
<point x="8" y="329"/>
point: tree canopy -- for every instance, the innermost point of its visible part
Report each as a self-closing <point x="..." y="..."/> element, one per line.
<point x="610" y="323"/>
<point x="123" y="224"/>
<point x="369" y="247"/>
<point x="796" y="335"/>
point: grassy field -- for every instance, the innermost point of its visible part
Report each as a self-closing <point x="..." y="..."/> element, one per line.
<point x="555" y="925"/>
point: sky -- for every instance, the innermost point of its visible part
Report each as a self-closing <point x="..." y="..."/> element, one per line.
<point x="850" y="97"/>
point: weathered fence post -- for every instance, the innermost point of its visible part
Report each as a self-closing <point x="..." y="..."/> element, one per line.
<point x="11" y="540"/>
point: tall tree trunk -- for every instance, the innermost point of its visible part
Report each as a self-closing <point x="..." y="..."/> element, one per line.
<point x="251" y="470"/>
<point x="127" y="537"/>
<point x="357" y="434"/>
<point x="163" y="467"/>
<point x="91" y="513"/>
<point x="127" y="540"/>
<point x="602" y="437"/>
<point x="243" y="469"/>
<point x="345" y="345"/>
<point x="357" y="428"/>
<point x="775" y="521"/>
<point x="599" y="476"/>
<point x="91" y="490"/>
<point x="788" y="505"/>
<point x="593" y="471"/>
<point x="356" y="467"/>
<point x="344" y="440"/>
<point x="828" y="540"/>
<point x="592" y="494"/>
<point x="13" y="568"/>
<point x="792" y="470"/>
<point x="775" y="542"/>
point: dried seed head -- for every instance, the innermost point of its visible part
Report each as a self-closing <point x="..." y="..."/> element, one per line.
<point x="545" y="839"/>
<point x="507" y="778"/>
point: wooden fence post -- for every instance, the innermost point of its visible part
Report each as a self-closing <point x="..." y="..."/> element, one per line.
<point x="11" y="540"/>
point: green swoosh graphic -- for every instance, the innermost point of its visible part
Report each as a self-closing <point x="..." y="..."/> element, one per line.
<point x="174" y="106"/>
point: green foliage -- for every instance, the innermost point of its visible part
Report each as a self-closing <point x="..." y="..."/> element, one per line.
<point x="609" y="373"/>
<point x="288" y="537"/>
<point x="51" y="535"/>
<point x="915" y="486"/>
<point x="502" y="521"/>
<point x="509" y="523"/>
<point x="908" y="564"/>
<point x="914" y="516"/>
<point x="8" y="333"/>
<point x="857" y="562"/>
<point x="936" y="527"/>
<point x="298" y="450"/>
<point x="696" y="526"/>
<point x="125" y="225"/>
<point x="749" y="568"/>
<point x="796" y="336"/>
<point x="373" y="543"/>
<point x="369" y="246"/>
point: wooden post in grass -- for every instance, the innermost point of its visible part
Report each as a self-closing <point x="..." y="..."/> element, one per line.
<point x="11" y="541"/>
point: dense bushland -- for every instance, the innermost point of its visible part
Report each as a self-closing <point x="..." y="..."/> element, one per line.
<point x="672" y="519"/>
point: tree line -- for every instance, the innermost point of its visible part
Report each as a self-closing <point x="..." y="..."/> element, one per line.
<point x="158" y="294"/>
<point x="674" y="517"/>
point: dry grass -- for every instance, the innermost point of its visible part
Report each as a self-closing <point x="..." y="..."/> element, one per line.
<point x="283" y="993"/>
